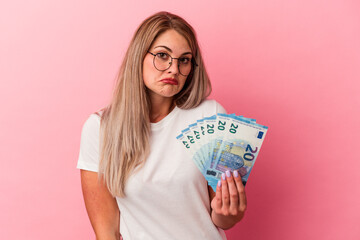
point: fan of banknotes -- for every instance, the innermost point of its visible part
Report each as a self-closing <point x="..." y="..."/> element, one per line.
<point x="223" y="142"/>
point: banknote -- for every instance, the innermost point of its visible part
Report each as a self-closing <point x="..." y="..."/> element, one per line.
<point x="223" y="142"/>
<point x="198" y="132"/>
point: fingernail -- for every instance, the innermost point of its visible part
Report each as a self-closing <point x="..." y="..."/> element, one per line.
<point x="223" y="176"/>
<point x="219" y="183"/>
<point x="228" y="174"/>
<point x="236" y="174"/>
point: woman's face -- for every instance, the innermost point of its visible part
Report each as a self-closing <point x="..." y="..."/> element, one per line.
<point x="166" y="83"/>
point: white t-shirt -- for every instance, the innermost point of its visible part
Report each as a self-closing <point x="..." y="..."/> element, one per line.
<point x="168" y="197"/>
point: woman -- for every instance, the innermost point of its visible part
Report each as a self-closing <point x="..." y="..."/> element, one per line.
<point x="134" y="172"/>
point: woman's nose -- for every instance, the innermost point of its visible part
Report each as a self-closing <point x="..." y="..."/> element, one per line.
<point x="174" y="67"/>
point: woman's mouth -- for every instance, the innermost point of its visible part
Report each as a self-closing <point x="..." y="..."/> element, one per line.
<point x="171" y="81"/>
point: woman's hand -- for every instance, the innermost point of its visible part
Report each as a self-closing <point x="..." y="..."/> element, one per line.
<point x="229" y="203"/>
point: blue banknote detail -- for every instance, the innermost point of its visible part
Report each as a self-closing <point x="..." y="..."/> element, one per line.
<point x="216" y="146"/>
<point x="209" y="124"/>
<point x="194" y="155"/>
<point x="195" y="129"/>
<point x="223" y="142"/>
<point x="230" y="159"/>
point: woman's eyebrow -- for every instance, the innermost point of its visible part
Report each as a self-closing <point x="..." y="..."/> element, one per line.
<point x="171" y="50"/>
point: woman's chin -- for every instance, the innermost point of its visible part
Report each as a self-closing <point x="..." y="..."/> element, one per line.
<point x="168" y="92"/>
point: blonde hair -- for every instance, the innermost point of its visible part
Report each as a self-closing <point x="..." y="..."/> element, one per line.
<point x="125" y="123"/>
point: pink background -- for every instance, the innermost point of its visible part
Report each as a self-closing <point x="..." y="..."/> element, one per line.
<point x="292" y="65"/>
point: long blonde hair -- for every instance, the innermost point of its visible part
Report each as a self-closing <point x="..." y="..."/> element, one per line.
<point x="125" y="123"/>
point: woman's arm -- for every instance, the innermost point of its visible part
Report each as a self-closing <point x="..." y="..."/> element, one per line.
<point x="228" y="204"/>
<point x="101" y="207"/>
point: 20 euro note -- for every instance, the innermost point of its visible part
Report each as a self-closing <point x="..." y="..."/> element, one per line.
<point x="198" y="133"/>
<point x="239" y="148"/>
<point x="222" y="126"/>
<point x="226" y="142"/>
<point x="188" y="141"/>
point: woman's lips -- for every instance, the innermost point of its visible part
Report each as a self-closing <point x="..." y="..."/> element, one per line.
<point x="171" y="81"/>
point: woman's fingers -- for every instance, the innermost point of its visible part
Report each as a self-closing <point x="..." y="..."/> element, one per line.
<point x="230" y="198"/>
<point x="218" y="198"/>
<point x="241" y="190"/>
<point x="233" y="193"/>
<point x="225" y="195"/>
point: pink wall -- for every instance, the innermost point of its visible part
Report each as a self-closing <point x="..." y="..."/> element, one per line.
<point x="292" y="65"/>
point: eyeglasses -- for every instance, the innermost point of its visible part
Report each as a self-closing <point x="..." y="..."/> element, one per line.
<point x="162" y="61"/>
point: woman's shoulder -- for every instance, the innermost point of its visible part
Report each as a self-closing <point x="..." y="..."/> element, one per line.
<point x="95" y="116"/>
<point x="99" y="112"/>
<point x="92" y="122"/>
<point x="207" y="107"/>
<point x="212" y="105"/>
<point x="209" y="103"/>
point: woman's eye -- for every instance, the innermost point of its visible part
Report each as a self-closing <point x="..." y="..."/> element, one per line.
<point x="162" y="55"/>
<point x="184" y="60"/>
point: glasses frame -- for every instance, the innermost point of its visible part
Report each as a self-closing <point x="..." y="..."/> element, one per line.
<point x="194" y="64"/>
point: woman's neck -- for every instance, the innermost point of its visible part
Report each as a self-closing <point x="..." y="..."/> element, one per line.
<point x="160" y="108"/>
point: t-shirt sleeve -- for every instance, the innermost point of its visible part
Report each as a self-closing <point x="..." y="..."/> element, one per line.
<point x="89" y="144"/>
<point x="220" y="108"/>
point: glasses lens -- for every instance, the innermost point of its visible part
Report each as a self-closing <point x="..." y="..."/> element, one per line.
<point x="162" y="61"/>
<point x="185" y="65"/>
